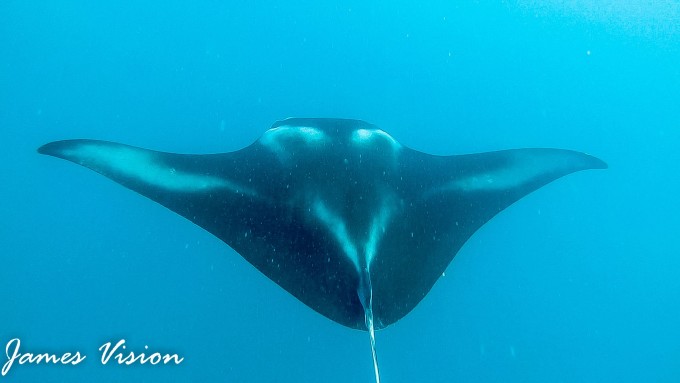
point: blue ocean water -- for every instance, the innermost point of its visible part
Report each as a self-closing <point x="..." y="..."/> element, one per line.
<point x="578" y="282"/>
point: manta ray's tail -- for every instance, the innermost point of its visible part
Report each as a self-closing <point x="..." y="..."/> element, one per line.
<point x="371" y="333"/>
<point x="365" y="292"/>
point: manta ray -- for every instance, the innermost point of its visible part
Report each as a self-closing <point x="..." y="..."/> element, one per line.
<point x="337" y="212"/>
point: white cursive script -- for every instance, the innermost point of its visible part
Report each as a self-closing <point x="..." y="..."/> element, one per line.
<point x="23" y="358"/>
<point x="128" y="357"/>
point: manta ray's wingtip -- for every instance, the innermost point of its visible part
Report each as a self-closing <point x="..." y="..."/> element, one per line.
<point x="57" y="148"/>
<point x="47" y="149"/>
<point x="72" y="150"/>
<point x="579" y="160"/>
<point x="597" y="163"/>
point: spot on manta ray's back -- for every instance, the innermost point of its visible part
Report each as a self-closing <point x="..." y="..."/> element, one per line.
<point x="337" y="212"/>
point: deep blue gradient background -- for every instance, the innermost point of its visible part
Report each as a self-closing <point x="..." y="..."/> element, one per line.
<point x="578" y="282"/>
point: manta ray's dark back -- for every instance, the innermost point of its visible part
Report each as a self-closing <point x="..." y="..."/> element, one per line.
<point x="337" y="212"/>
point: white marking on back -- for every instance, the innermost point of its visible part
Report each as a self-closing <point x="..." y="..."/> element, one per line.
<point x="336" y="226"/>
<point x="273" y="138"/>
<point x="367" y="136"/>
<point x="378" y="227"/>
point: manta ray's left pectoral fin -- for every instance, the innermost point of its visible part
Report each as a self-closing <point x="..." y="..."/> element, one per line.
<point x="145" y="171"/>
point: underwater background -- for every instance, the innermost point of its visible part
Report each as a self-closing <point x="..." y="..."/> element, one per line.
<point x="577" y="282"/>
